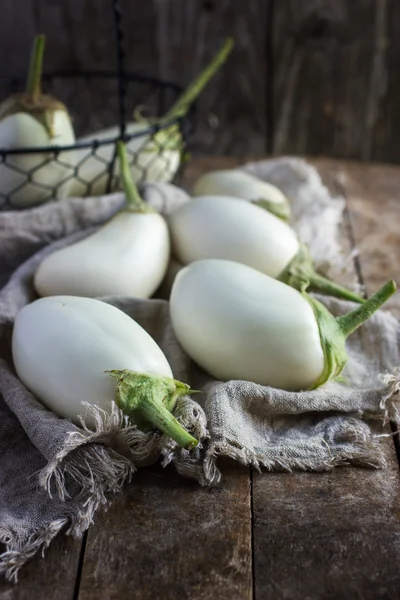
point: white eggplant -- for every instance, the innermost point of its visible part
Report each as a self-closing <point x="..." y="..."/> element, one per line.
<point x="239" y="184"/>
<point x="155" y="157"/>
<point x="238" y="323"/>
<point x="128" y="256"/>
<point x="33" y="120"/>
<point x="69" y="350"/>
<point x="232" y="229"/>
<point x="237" y="230"/>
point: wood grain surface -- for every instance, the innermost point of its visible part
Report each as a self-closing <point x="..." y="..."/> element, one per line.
<point x="168" y="538"/>
<point x="51" y="576"/>
<point x="316" y="77"/>
<point x="374" y="206"/>
<point x="326" y="536"/>
<point x="326" y="99"/>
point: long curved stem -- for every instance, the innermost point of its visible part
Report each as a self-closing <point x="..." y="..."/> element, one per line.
<point x="350" y="322"/>
<point x="181" y="106"/>
<point x="133" y="199"/>
<point x="318" y="283"/>
<point x="34" y="81"/>
<point x="300" y="271"/>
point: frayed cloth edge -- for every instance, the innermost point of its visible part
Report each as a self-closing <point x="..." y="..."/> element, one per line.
<point x="366" y="453"/>
<point x="100" y="462"/>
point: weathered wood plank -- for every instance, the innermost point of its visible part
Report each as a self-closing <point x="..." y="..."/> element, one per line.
<point x="323" y="56"/>
<point x="330" y="535"/>
<point x="50" y="576"/>
<point x="373" y="198"/>
<point x="374" y="201"/>
<point x="232" y="111"/>
<point x="387" y="53"/>
<point x="167" y="537"/>
<point x="327" y="536"/>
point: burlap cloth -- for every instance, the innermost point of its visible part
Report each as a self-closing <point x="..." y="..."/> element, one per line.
<point x="54" y="475"/>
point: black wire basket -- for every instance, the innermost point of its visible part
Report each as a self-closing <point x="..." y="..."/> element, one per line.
<point x="98" y="99"/>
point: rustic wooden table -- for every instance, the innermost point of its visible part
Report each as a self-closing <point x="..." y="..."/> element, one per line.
<point x="262" y="536"/>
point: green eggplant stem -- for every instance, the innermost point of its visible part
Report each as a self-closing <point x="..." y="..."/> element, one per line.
<point x="34" y="82"/>
<point x="133" y="199"/>
<point x="350" y="322"/>
<point x="300" y="271"/>
<point x="159" y="416"/>
<point x="181" y="106"/>
<point x="318" y="283"/>
<point x="149" y="399"/>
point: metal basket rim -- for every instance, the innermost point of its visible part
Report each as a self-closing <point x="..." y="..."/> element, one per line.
<point x="94" y="144"/>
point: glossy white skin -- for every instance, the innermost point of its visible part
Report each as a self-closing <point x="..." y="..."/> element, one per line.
<point x="239" y="184"/>
<point x="217" y="227"/>
<point x="61" y="347"/>
<point x="150" y="165"/>
<point x="237" y="323"/>
<point x="23" y="131"/>
<point x="128" y="256"/>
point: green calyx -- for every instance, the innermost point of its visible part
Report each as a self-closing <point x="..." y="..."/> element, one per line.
<point x="32" y="102"/>
<point x="300" y="274"/>
<point x="134" y="202"/>
<point x="42" y="109"/>
<point x="334" y="331"/>
<point x="280" y="210"/>
<point x="149" y="401"/>
<point x="333" y="342"/>
<point x="164" y="140"/>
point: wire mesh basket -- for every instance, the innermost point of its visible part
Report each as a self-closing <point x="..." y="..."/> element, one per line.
<point x="97" y="100"/>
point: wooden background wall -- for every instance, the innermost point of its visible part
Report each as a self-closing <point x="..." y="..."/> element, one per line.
<point x="319" y="77"/>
